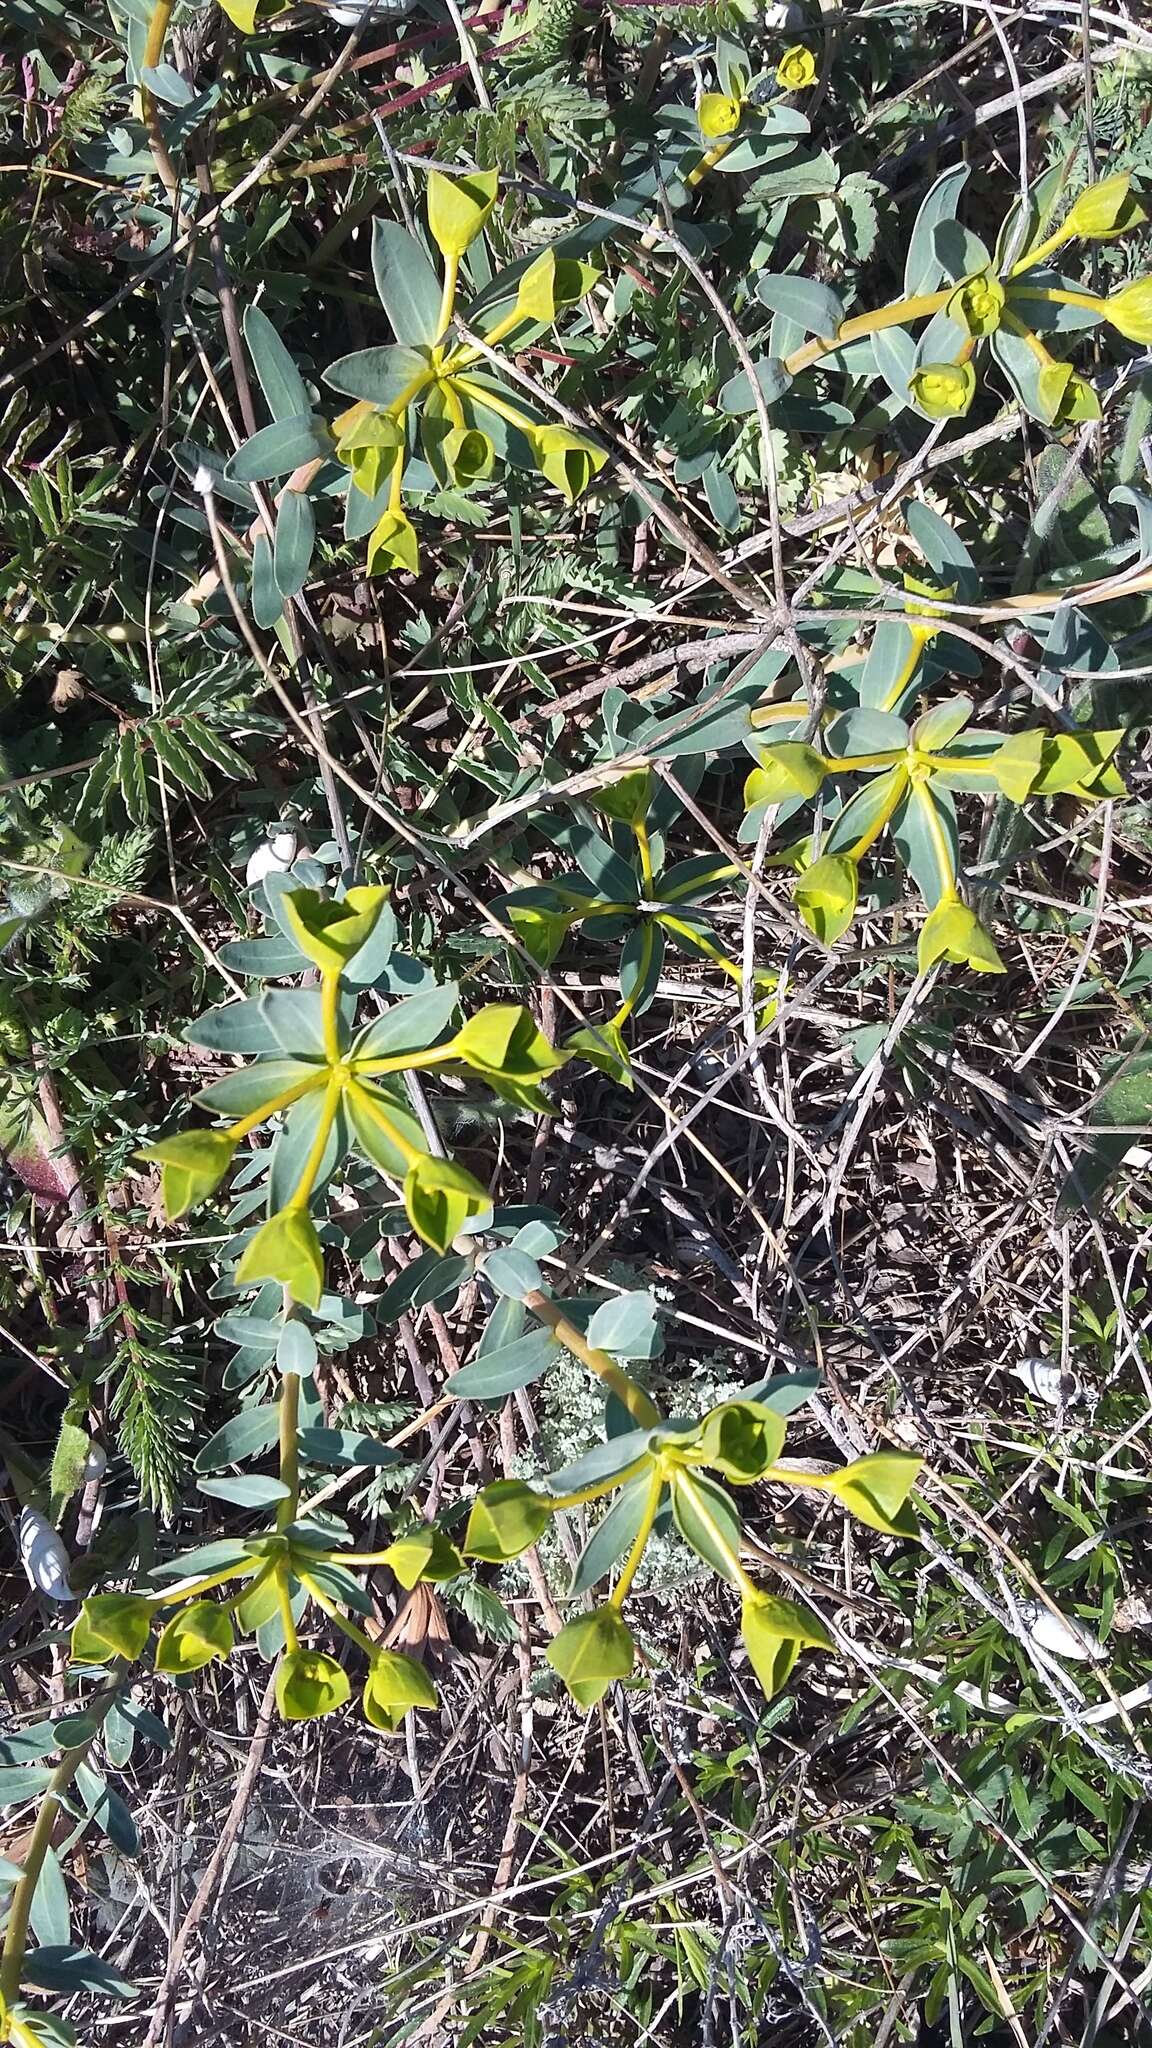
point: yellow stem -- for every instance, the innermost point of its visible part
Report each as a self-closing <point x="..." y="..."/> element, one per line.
<point x="1041" y="252"/>
<point x="1062" y="298"/>
<point x="623" y="1584"/>
<point x="644" y="849"/>
<point x="284" y="1602"/>
<point x="407" y="1151"/>
<point x="721" y="960"/>
<point x="562" y="1501"/>
<point x="241" y="1128"/>
<point x="893" y="315"/>
<point x="892" y="803"/>
<point x="334" y="1613"/>
<point x="726" y="872"/>
<point x="920" y="639"/>
<point x="330" y="1016"/>
<point x="448" y="296"/>
<point x="605" y="1368"/>
<point x="498" y="405"/>
<point x="1025" y="334"/>
<point x="288" y="1508"/>
<point x="303" y="1191"/>
<point x="720" y="1541"/>
<point x="709" y="161"/>
<point x="397" y="482"/>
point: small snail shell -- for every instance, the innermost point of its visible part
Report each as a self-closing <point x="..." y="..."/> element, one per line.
<point x="44" y="1557"/>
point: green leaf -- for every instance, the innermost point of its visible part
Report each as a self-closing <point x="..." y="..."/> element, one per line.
<point x="330" y="930"/>
<point x="406" y="283"/>
<point x="787" y="770"/>
<point x="458" y="208"/>
<point x="1124" y="1098"/>
<point x="310" y="1684"/>
<point x="953" y="932"/>
<point x="608" y="1460"/>
<point x="394" y="1685"/>
<point x="934" y="729"/>
<point x="194" y="1636"/>
<point x="504" y="1369"/>
<point x="736" y="396"/>
<point x="504" y="1044"/>
<point x="423" y="1555"/>
<point x="811" y="306"/>
<point x="505" y="1520"/>
<point x="392" y="543"/>
<point x="69" y="1459"/>
<point x="280" y="381"/>
<point x="626" y="1325"/>
<point x="111" y="1625"/>
<point x="68" y="1971"/>
<point x="741" y="1439"/>
<point x="276" y="450"/>
<point x="612" y="1536"/>
<point x="287" y="1249"/>
<point x="708" y="1522"/>
<point x="248" y="1089"/>
<point x="512" y="1273"/>
<point x="294" y="542"/>
<point x="923" y="270"/>
<point x="826" y="896"/>
<point x="244" y="1436"/>
<point x="551" y="282"/>
<point x="383" y="1126"/>
<point x="875" y="1489"/>
<point x="590" y="1652"/>
<point x="775" y="1631"/>
<point x="439" y="1197"/>
<point x="570" y="461"/>
<point x="193" y="1166"/>
<point x="409" y="1026"/>
<point x="381" y="375"/>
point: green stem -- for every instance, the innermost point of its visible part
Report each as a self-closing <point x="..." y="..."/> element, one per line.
<point x="330" y="1016"/>
<point x="498" y="405"/>
<point x="241" y="1128"/>
<point x="20" y="1909"/>
<point x="288" y="1508"/>
<point x="640" y="1408"/>
<point x="1062" y="298"/>
<point x="891" y="805"/>
<point x="895" y="314"/>
<point x="448" y="296"/>
<point x="702" y="945"/>
<point x="348" y="1628"/>
<point x="621" y="1589"/>
<point x="644" y="849"/>
<point x="303" y="1191"/>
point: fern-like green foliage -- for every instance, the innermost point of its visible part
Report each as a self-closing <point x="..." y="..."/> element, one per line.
<point x="155" y="1403"/>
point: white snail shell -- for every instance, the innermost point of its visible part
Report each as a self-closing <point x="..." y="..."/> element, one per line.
<point x="273" y="856"/>
<point x="1045" y="1381"/>
<point x="1059" y="1637"/>
<point x="43" y="1556"/>
<point x="95" y="1464"/>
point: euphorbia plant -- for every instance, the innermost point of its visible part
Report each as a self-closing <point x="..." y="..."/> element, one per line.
<point x="429" y="411"/>
<point x="966" y="300"/>
<point x="339" y="1092"/>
